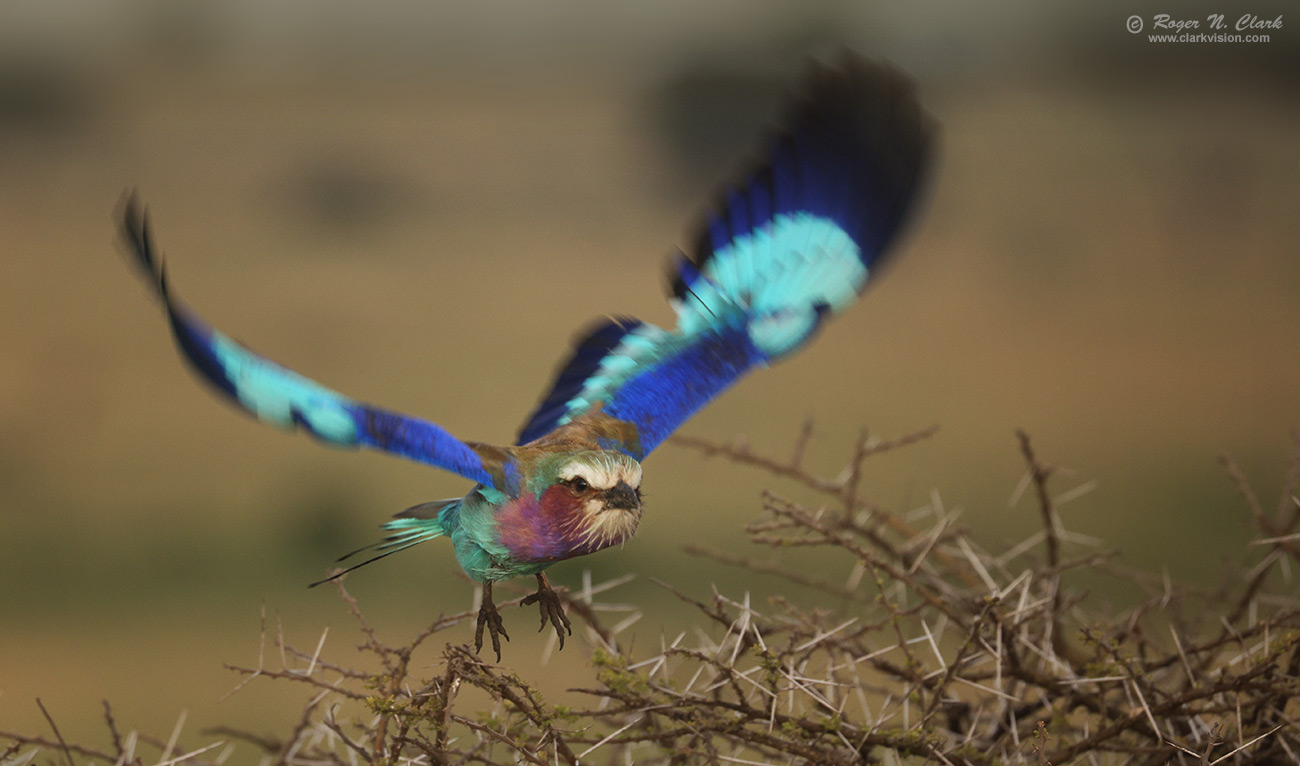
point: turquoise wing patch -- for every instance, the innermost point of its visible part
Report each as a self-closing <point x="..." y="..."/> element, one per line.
<point x="792" y="244"/>
<point x="278" y="396"/>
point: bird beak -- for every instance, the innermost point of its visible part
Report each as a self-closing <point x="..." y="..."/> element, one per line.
<point x="622" y="495"/>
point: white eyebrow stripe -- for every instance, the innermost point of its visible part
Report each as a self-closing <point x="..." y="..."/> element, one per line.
<point x="605" y="474"/>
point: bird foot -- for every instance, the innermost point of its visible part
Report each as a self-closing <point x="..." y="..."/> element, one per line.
<point x="491" y="619"/>
<point x="548" y="603"/>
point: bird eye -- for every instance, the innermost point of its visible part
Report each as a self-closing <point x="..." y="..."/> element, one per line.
<point x="579" y="484"/>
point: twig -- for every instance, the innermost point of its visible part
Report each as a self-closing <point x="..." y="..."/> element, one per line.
<point x="1051" y="531"/>
<point x="55" y="728"/>
<point x="958" y="656"/>
<point x="112" y="729"/>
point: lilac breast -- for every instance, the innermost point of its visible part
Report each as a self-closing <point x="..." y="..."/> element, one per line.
<point x="536" y="531"/>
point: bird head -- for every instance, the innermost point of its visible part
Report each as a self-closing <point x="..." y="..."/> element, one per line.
<point x="601" y="490"/>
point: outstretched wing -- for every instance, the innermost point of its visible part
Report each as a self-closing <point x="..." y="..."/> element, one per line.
<point x="281" y="397"/>
<point x="791" y="244"/>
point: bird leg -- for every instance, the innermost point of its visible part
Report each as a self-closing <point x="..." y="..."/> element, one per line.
<point x="488" y="615"/>
<point x="548" y="603"/>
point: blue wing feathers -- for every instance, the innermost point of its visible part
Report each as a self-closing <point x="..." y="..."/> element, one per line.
<point x="659" y="398"/>
<point x="195" y="343"/>
<point x="281" y="397"/>
<point x="853" y="150"/>
<point x="719" y="233"/>
<point x="418" y="440"/>
<point x="594" y="347"/>
<point x="793" y="243"/>
<point x="738" y="212"/>
<point x="760" y="194"/>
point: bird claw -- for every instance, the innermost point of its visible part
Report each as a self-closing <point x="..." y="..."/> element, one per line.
<point x="548" y="603"/>
<point x="491" y="619"/>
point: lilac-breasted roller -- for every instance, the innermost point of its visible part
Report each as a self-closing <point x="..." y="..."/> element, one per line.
<point x="792" y="243"/>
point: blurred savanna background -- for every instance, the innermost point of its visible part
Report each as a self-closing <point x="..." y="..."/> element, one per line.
<point x="419" y="204"/>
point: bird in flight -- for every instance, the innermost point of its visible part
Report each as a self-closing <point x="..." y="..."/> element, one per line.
<point x="792" y="243"/>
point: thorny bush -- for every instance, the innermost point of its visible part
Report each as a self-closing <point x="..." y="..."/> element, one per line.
<point x="938" y="651"/>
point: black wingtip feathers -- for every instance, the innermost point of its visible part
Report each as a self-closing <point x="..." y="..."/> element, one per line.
<point x="138" y="239"/>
